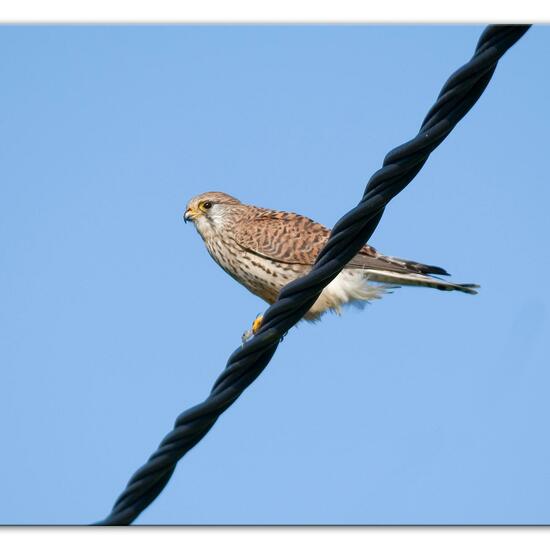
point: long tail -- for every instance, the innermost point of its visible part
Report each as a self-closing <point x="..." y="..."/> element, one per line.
<point x="417" y="279"/>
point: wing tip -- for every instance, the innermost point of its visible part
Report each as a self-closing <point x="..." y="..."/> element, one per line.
<point x="436" y="270"/>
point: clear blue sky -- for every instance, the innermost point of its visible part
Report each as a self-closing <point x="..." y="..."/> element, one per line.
<point x="426" y="407"/>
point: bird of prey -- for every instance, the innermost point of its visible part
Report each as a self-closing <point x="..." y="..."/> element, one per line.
<point x="266" y="249"/>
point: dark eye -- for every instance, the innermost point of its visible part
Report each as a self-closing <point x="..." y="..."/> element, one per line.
<point x="206" y="205"/>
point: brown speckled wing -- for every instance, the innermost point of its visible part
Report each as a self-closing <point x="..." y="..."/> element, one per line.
<point x="281" y="236"/>
<point x="294" y="239"/>
<point x="284" y="236"/>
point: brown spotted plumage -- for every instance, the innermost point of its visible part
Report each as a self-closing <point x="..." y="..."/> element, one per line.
<point x="266" y="249"/>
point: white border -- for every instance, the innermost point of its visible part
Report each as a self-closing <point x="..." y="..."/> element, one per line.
<point x="352" y="538"/>
<point x="264" y="11"/>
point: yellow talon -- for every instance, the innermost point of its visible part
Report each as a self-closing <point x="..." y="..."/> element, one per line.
<point x="255" y="328"/>
<point x="257" y="324"/>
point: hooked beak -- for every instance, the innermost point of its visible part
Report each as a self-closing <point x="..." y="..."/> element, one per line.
<point x="189" y="215"/>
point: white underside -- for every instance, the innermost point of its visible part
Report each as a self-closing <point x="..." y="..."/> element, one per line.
<point x="351" y="286"/>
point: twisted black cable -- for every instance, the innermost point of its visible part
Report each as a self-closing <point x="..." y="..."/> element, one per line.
<point x="351" y="232"/>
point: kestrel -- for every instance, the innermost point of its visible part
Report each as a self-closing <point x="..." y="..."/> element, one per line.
<point x="266" y="249"/>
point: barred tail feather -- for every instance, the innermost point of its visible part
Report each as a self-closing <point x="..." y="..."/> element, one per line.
<point x="416" y="279"/>
<point x="360" y="286"/>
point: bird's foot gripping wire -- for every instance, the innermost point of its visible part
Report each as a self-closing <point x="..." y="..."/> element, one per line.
<point x="255" y="328"/>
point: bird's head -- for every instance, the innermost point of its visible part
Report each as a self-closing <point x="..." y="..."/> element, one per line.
<point x="209" y="211"/>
